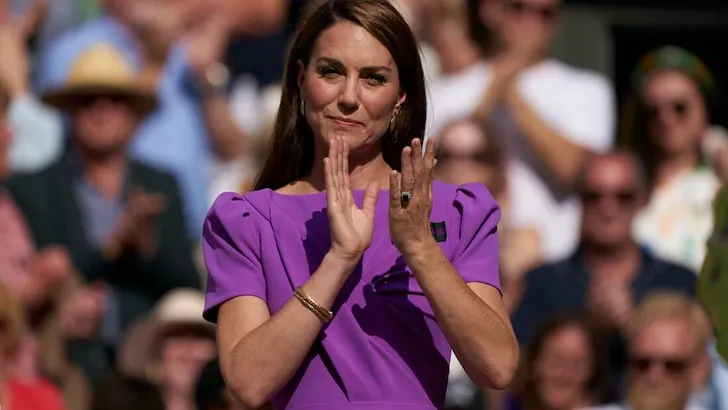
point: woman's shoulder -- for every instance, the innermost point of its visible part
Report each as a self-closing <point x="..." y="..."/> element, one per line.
<point x="451" y="198"/>
<point x="232" y="205"/>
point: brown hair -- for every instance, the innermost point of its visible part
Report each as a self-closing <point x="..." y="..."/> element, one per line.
<point x="291" y="153"/>
<point x="598" y="383"/>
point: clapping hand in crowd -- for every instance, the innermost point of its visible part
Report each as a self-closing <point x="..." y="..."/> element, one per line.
<point x="206" y="40"/>
<point x="609" y="302"/>
<point x="136" y="230"/>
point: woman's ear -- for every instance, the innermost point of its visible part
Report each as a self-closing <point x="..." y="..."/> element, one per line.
<point x="401" y="101"/>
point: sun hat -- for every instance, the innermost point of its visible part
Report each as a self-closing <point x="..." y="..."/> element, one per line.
<point x="180" y="309"/>
<point x="102" y="70"/>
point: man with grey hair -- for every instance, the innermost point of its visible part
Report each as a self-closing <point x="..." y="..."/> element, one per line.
<point x="609" y="273"/>
<point x="667" y="339"/>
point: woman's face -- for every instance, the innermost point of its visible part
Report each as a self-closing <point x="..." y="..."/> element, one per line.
<point x="564" y="367"/>
<point x="676" y="113"/>
<point x="350" y="87"/>
<point x="182" y="358"/>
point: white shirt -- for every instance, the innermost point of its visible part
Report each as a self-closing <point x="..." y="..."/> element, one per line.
<point x="579" y="104"/>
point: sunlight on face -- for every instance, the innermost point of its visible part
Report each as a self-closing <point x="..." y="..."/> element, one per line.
<point x="350" y="87"/>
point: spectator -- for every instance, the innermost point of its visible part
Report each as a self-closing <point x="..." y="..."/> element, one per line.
<point x="30" y="132"/>
<point x="22" y="388"/>
<point x="183" y="135"/>
<point x="167" y="350"/>
<point x="668" y="359"/>
<point x="673" y="127"/>
<point x="550" y="117"/>
<point x="609" y="273"/>
<point x="566" y="366"/>
<point x="120" y="220"/>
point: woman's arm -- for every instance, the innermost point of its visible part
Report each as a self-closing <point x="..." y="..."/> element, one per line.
<point x="472" y="316"/>
<point x="259" y="353"/>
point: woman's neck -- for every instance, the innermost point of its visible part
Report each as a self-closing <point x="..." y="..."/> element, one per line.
<point x="362" y="172"/>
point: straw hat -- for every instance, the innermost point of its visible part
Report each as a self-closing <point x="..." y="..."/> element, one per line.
<point x="102" y="71"/>
<point x="179" y="309"/>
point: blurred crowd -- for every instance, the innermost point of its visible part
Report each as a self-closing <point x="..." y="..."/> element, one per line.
<point x="122" y="120"/>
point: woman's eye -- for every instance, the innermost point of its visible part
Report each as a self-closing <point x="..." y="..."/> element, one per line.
<point x="328" y="72"/>
<point x="376" y="79"/>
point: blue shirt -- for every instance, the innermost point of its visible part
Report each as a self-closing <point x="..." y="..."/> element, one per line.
<point x="172" y="138"/>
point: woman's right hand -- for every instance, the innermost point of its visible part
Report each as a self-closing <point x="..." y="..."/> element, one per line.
<point x="351" y="227"/>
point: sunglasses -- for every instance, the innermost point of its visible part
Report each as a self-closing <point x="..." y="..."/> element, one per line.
<point x="522" y="8"/>
<point x="84" y="101"/>
<point x="483" y="157"/>
<point x="673" y="366"/>
<point x="677" y="107"/>
<point x="623" y="197"/>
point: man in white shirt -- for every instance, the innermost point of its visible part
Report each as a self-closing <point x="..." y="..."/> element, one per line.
<point x="550" y="117"/>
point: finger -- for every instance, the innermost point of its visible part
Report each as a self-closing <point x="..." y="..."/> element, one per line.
<point x="31" y="19"/>
<point x="345" y="167"/>
<point x="334" y="158"/>
<point x="340" y="166"/>
<point x="428" y="165"/>
<point x="370" y="199"/>
<point x="407" y="177"/>
<point x="329" y="177"/>
<point x="395" y="190"/>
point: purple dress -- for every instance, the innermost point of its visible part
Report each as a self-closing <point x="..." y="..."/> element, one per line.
<point x="383" y="349"/>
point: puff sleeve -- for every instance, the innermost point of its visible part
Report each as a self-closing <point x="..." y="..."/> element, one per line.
<point x="476" y="214"/>
<point x="231" y="248"/>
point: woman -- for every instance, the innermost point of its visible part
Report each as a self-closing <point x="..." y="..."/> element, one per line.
<point x="674" y="136"/>
<point x="565" y="368"/>
<point x="360" y="310"/>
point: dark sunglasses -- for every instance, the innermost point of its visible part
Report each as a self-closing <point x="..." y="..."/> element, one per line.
<point x="84" y="101"/>
<point x="485" y="157"/>
<point x="624" y="197"/>
<point x="546" y="13"/>
<point x="672" y="366"/>
<point x="678" y="107"/>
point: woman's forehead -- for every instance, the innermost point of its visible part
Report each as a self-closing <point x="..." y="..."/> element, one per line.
<point x="351" y="44"/>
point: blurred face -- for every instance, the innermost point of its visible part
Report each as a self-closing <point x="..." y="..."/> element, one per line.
<point x="564" y="367"/>
<point x="610" y="200"/>
<point x="676" y="113"/>
<point x="513" y="21"/>
<point x="182" y="358"/>
<point x="104" y="125"/>
<point x="662" y="355"/>
<point x="350" y="88"/>
<point x="464" y="155"/>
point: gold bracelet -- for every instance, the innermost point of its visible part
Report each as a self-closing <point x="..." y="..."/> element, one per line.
<point x="310" y="307"/>
<point x="323" y="313"/>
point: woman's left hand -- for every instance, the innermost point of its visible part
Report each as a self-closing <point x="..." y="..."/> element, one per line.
<point x="409" y="219"/>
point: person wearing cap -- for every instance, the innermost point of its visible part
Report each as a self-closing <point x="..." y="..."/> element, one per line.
<point x="120" y="219"/>
<point x="166" y="350"/>
<point x="674" y="138"/>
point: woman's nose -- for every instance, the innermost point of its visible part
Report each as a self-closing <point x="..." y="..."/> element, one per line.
<point x="349" y="95"/>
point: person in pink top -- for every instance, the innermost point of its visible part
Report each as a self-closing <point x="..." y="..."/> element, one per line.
<point x="346" y="277"/>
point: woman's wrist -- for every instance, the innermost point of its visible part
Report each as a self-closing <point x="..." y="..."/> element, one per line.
<point x="340" y="263"/>
<point x="422" y="250"/>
